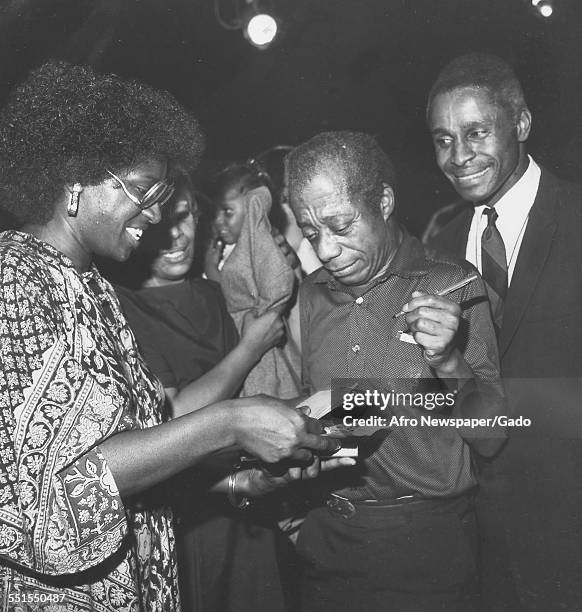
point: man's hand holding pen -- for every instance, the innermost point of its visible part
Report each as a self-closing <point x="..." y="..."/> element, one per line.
<point x="433" y="321"/>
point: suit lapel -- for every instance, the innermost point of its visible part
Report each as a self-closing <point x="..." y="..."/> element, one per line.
<point x="532" y="256"/>
<point x="453" y="237"/>
<point x="463" y="232"/>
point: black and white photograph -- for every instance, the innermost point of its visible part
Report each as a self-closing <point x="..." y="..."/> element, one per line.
<point x="290" y="297"/>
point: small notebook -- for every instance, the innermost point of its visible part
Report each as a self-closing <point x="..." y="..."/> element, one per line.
<point x="320" y="405"/>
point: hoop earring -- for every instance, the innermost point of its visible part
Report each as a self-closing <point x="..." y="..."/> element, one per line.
<point x="73" y="206"/>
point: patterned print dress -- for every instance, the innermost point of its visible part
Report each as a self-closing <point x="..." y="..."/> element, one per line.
<point x="70" y="377"/>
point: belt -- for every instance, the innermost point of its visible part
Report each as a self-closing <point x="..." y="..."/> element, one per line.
<point x="342" y="506"/>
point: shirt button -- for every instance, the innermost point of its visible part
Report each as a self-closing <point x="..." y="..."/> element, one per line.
<point x="356" y="348"/>
<point x="360" y="300"/>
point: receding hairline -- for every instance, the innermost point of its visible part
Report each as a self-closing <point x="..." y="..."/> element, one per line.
<point x="473" y="91"/>
<point x="349" y="156"/>
<point x="326" y="169"/>
<point x="481" y="72"/>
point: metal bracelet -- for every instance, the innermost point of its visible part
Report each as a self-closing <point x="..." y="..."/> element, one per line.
<point x="244" y="502"/>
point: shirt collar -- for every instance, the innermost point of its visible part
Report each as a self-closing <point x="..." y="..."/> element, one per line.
<point x="520" y="198"/>
<point x="409" y="261"/>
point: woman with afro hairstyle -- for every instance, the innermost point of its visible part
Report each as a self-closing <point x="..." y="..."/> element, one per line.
<point x="83" y="169"/>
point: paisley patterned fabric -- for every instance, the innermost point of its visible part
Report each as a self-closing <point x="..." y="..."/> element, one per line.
<point x="71" y="376"/>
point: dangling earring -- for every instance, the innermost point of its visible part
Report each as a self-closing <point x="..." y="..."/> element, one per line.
<point x="73" y="207"/>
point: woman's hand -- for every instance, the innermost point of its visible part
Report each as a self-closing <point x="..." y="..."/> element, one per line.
<point x="260" y="333"/>
<point x="212" y="259"/>
<point x="255" y="482"/>
<point x="285" y="248"/>
<point x="267" y="429"/>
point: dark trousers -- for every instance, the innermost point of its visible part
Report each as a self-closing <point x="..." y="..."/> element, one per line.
<point x="228" y="562"/>
<point x="417" y="556"/>
<point x="530" y="524"/>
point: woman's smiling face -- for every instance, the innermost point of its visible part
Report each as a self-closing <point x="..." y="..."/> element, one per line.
<point x="175" y="248"/>
<point x="109" y="223"/>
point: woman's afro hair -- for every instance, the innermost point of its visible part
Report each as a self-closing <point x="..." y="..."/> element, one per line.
<point x="66" y="124"/>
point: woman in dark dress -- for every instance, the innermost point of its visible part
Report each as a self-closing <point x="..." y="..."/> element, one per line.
<point x="181" y="323"/>
<point x="227" y="558"/>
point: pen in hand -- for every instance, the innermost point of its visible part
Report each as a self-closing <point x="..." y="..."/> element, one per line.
<point x="447" y="290"/>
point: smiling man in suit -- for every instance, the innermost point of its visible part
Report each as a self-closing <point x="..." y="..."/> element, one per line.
<point x="522" y="228"/>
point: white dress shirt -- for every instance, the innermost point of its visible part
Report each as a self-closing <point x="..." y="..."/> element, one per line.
<point x="513" y="210"/>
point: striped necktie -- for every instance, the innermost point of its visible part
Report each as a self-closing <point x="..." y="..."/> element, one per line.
<point x="494" y="266"/>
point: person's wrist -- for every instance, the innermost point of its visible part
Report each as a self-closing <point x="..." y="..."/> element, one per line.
<point x="444" y="363"/>
<point x="243" y="483"/>
<point x="252" y="353"/>
<point x="257" y="484"/>
<point x="224" y="415"/>
<point x="239" y="421"/>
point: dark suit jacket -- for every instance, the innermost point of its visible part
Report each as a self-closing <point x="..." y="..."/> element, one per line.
<point x="530" y="504"/>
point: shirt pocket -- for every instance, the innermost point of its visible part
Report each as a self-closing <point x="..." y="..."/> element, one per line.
<point x="403" y="359"/>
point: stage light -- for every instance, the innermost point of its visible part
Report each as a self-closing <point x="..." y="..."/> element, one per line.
<point x="545" y="9"/>
<point x="261" y="30"/>
<point x="254" y="17"/>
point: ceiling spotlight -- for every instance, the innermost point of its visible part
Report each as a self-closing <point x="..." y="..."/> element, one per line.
<point x="545" y="9"/>
<point x="535" y="2"/>
<point x="254" y="17"/>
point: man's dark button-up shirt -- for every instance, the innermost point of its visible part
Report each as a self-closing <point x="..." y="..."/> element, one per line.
<point x="347" y="334"/>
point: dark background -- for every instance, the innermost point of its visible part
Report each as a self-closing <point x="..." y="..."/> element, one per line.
<point x="338" y="64"/>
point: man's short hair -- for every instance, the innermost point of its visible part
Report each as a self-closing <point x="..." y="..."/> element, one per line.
<point x="482" y="71"/>
<point x="353" y="157"/>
